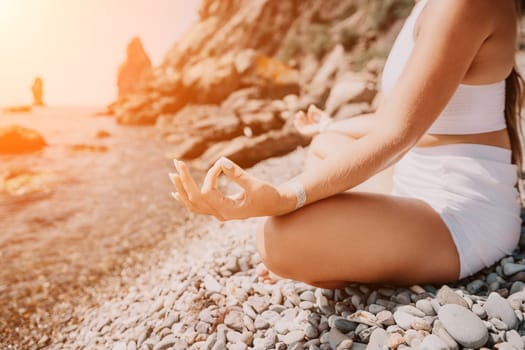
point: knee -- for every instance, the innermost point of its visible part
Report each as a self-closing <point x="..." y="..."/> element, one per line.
<point x="272" y="246"/>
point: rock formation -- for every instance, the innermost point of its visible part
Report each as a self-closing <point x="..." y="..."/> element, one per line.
<point x="135" y="68"/>
<point x="232" y="83"/>
<point x="17" y="139"/>
<point x="38" y="91"/>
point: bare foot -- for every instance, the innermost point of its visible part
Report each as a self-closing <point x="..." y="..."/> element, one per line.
<point x="311" y="122"/>
<point x="265" y="275"/>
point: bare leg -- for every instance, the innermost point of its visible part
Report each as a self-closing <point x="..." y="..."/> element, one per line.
<point x="358" y="236"/>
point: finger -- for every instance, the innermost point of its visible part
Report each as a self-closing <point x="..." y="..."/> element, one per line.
<point x="184" y="201"/>
<point x="300" y="115"/>
<point x="315" y="113"/>
<point x="321" y="113"/>
<point x="184" y="196"/>
<point x="237" y="174"/>
<point x="191" y="188"/>
<point x="210" y="181"/>
<point x="311" y="114"/>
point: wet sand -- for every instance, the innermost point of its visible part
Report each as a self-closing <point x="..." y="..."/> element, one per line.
<point x="103" y="216"/>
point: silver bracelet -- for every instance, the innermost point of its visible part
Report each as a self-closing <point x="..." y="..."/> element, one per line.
<point x="300" y="194"/>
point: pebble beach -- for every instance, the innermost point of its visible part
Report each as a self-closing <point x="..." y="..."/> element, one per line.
<point x="208" y="295"/>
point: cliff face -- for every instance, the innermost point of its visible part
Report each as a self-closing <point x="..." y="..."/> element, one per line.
<point x="231" y="84"/>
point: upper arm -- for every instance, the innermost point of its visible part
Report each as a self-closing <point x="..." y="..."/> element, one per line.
<point x="444" y="49"/>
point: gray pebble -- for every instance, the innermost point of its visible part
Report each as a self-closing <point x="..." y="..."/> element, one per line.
<point x="202" y="327"/>
<point x="206" y="316"/>
<point x="248" y="310"/>
<point x="261" y="323"/>
<point x="259" y="303"/>
<point x="295" y="346"/>
<point x="306" y="305"/>
<point x="433" y="342"/>
<point x="233" y="336"/>
<point x="358" y="346"/>
<point x="514" y="338"/>
<point x="345" y="326"/>
<point x="211" y="284"/>
<point x="324" y="306"/>
<point x="120" y="346"/>
<point x="385" y="317"/>
<point x="280" y="346"/>
<point x="335" y="337"/>
<point x="517" y="286"/>
<point x="479" y="311"/>
<point x="374" y="308"/>
<point x="372" y="297"/>
<point x="311" y="331"/>
<point x="511" y="268"/>
<point x="496" y="306"/>
<point x="166" y="343"/>
<point x="404" y="319"/>
<point x="307" y="296"/>
<point x="476" y="285"/>
<point x="409" y="309"/>
<point x="219" y="345"/>
<point x="492" y="277"/>
<point x="402" y="298"/>
<point x="463" y="325"/>
<point x="293" y="337"/>
<point x="234" y="319"/>
<point x="237" y="346"/>
<point x="346" y="344"/>
<point x="499" y="324"/>
<point x="360" y="328"/>
<point x="446" y="295"/>
<point x="435" y="305"/>
<point x="425" y="306"/>
<point x="378" y="339"/>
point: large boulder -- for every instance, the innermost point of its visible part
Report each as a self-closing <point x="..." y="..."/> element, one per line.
<point x="349" y="88"/>
<point x="16" y="139"/>
<point x="136" y="66"/>
<point x="248" y="151"/>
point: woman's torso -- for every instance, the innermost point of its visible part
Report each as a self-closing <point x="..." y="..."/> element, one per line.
<point x="492" y="63"/>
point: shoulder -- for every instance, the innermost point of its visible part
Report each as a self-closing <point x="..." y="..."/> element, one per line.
<point x="458" y="17"/>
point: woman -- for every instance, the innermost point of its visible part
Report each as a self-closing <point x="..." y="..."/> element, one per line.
<point x="448" y="125"/>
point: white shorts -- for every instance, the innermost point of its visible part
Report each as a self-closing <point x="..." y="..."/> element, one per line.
<point x="471" y="186"/>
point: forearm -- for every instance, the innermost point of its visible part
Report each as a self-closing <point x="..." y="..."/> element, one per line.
<point x="355" y="127"/>
<point x="347" y="164"/>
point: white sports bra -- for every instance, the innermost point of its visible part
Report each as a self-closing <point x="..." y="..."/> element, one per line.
<point x="472" y="109"/>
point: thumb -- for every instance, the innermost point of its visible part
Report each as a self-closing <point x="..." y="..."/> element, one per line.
<point x="315" y="112"/>
<point x="236" y="173"/>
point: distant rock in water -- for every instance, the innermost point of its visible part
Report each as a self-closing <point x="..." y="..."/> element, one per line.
<point x="16" y="139"/>
<point x="137" y="65"/>
<point x="18" y="109"/>
<point x="102" y="134"/>
<point x="38" y="91"/>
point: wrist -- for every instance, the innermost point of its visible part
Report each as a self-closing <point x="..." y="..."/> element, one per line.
<point x="288" y="198"/>
<point x="325" y="125"/>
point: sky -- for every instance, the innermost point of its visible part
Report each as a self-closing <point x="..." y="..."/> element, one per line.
<point x="76" y="46"/>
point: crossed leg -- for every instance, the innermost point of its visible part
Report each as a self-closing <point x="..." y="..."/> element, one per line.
<point x="358" y="236"/>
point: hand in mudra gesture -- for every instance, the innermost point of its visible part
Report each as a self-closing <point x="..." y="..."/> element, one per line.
<point x="257" y="198"/>
<point x="312" y="122"/>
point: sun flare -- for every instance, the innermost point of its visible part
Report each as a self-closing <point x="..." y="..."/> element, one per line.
<point x="9" y="10"/>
